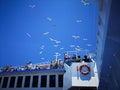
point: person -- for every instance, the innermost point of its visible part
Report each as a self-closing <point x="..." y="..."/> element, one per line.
<point x="86" y="59"/>
<point x="74" y="56"/>
<point x="79" y="59"/>
<point x="66" y="56"/>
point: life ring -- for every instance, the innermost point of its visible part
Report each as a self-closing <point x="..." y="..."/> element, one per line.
<point x="85" y="72"/>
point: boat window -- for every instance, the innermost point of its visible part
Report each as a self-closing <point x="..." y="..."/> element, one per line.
<point x="60" y="80"/>
<point x="27" y="82"/>
<point x="12" y="82"/>
<point x="52" y="81"/>
<point x="43" y="81"/>
<point x="35" y="81"/>
<point x="19" y="81"/>
<point x="5" y="82"/>
<point x="0" y="79"/>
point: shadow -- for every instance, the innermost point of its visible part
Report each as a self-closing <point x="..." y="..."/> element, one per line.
<point x="85" y="77"/>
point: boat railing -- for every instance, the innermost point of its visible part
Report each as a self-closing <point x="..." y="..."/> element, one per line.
<point x="79" y="57"/>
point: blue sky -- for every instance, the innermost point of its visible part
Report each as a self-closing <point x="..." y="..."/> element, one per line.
<point x="34" y="30"/>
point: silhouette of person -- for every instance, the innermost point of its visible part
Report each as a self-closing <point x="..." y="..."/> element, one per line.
<point x="86" y="59"/>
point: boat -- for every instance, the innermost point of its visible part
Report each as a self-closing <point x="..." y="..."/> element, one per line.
<point x="78" y="71"/>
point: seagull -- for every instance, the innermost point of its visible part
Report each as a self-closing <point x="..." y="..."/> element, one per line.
<point x="46" y="33"/>
<point x="61" y="48"/>
<point x="56" y="45"/>
<point x="49" y="19"/>
<point x="42" y="47"/>
<point x="32" y="6"/>
<point x="85" y="2"/>
<point x="77" y="49"/>
<point x="28" y="35"/>
<point x="42" y="58"/>
<point x="51" y="39"/>
<point x="72" y="46"/>
<point x="57" y="42"/>
<point x="89" y="45"/>
<point x="78" y="21"/>
<point x="40" y="52"/>
<point x="85" y="39"/>
<point x="75" y="37"/>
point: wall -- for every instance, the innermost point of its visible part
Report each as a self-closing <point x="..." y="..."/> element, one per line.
<point x="109" y="79"/>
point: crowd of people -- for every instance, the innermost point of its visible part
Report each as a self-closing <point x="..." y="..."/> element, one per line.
<point x="75" y="58"/>
<point x="29" y="66"/>
<point x="54" y="64"/>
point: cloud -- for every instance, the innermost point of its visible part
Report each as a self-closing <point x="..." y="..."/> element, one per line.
<point x="85" y="2"/>
<point x="46" y="33"/>
<point x="75" y="37"/>
<point x="85" y="39"/>
<point x="32" y="6"/>
<point x="49" y="19"/>
<point x="28" y="35"/>
<point x="78" y="21"/>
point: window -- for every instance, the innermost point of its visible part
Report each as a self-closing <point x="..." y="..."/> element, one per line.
<point x="43" y="81"/>
<point x="12" y="82"/>
<point x="99" y="20"/>
<point x="27" y="82"/>
<point x="5" y="82"/>
<point x="19" y="82"/>
<point x="102" y="4"/>
<point x="35" y="81"/>
<point x="0" y="79"/>
<point x="52" y="82"/>
<point x="60" y="80"/>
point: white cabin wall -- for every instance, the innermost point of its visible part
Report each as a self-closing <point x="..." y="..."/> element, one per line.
<point x="32" y="74"/>
<point x="67" y="77"/>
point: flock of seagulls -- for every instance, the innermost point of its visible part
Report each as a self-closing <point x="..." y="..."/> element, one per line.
<point x="85" y="2"/>
<point x="57" y="42"/>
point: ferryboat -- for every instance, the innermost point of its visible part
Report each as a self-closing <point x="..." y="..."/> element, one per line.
<point x="77" y="71"/>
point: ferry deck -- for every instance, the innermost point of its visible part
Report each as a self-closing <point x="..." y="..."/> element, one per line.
<point x="75" y="73"/>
